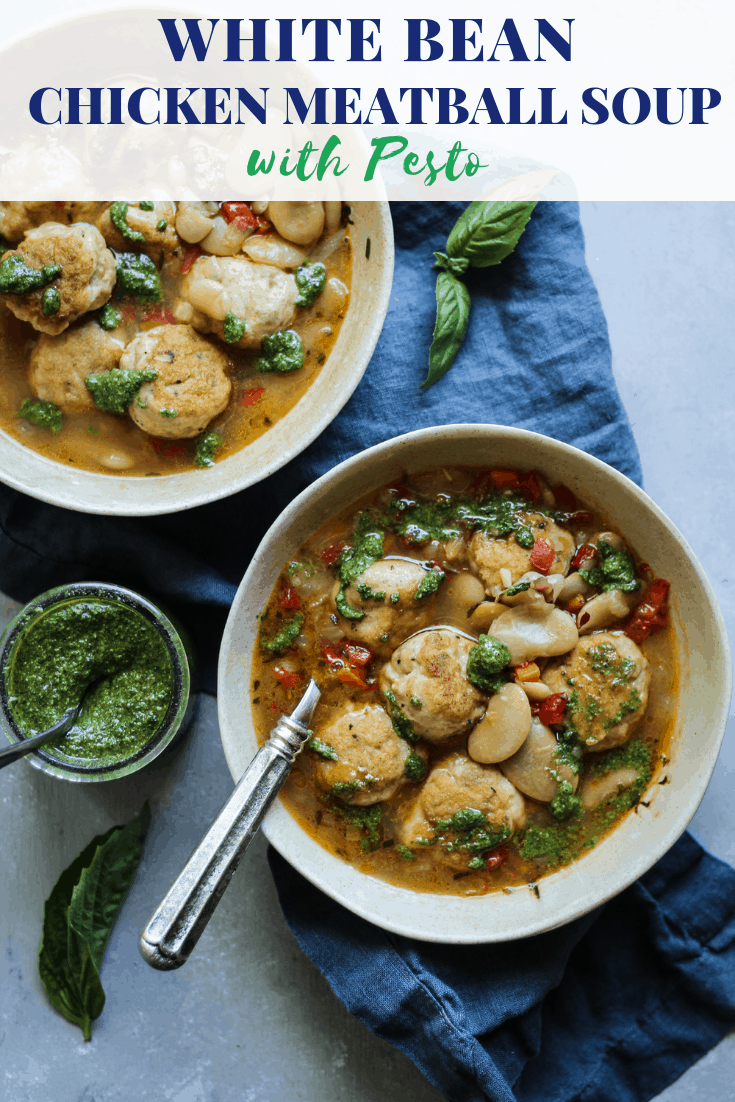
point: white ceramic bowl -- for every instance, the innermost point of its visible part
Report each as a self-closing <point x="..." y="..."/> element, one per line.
<point x="704" y="688"/>
<point x="26" y="470"/>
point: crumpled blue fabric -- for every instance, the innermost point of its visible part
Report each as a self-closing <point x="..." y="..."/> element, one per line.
<point x="609" y="1008"/>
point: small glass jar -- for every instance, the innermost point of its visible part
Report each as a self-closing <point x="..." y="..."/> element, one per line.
<point x="184" y="697"/>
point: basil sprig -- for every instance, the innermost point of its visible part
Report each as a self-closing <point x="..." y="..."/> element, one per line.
<point x="484" y="234"/>
<point x="79" y="916"/>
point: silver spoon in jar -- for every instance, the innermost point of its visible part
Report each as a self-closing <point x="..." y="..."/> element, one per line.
<point x="179" y="921"/>
<point x="65" y="724"/>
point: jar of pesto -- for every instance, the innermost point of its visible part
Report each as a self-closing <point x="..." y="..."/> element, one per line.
<point x="143" y="665"/>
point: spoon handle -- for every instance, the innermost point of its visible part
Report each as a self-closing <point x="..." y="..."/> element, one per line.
<point x="28" y="745"/>
<point x="179" y="921"/>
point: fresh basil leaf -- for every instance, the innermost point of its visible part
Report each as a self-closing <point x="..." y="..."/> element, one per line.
<point x="452" y="316"/>
<point x="457" y="265"/>
<point x="486" y="233"/>
<point x="79" y="916"/>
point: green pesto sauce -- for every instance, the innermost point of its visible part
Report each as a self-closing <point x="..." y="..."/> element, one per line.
<point x="283" y="352"/>
<point x="113" y="391"/>
<point x="74" y="643"/>
<point x="44" y="414"/>
<point x="17" y="278"/>
<point x="137" y="275"/>
<point x="563" y="842"/>
<point x="207" y="445"/>
<point x="310" y="279"/>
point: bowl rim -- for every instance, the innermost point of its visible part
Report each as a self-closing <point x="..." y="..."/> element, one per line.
<point x="297" y="855"/>
<point x="167" y="501"/>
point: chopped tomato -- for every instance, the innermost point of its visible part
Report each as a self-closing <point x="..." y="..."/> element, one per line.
<point x="651" y="614"/>
<point x="331" y="553"/>
<point x="189" y="254"/>
<point x="358" y="654"/>
<point x="527" y="671"/>
<point x="529" y="485"/>
<point x="166" y="450"/>
<point x="348" y="676"/>
<point x="504" y="480"/>
<point x="286" y="678"/>
<point x="332" y="654"/>
<point x="157" y="313"/>
<point x="583" y="554"/>
<point x="289" y="598"/>
<point x="240" y="215"/>
<point x="542" y="556"/>
<point x="495" y="860"/>
<point x="552" y="709"/>
<point x="252" y="397"/>
<point x="565" y="499"/>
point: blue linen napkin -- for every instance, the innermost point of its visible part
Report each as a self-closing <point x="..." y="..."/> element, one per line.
<point x="611" y="1007"/>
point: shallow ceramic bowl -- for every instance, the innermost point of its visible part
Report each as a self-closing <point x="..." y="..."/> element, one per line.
<point x="88" y="492"/>
<point x="704" y="668"/>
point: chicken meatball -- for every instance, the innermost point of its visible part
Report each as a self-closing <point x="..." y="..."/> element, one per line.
<point x="386" y="594"/>
<point x="17" y="218"/>
<point x="85" y="282"/>
<point x="156" y="226"/>
<point x="426" y="679"/>
<point x="501" y="562"/>
<point x="371" y="758"/>
<point x="605" y="680"/>
<point x="59" y="365"/>
<point x="458" y="784"/>
<point x="191" y="388"/>
<point x="259" y="295"/>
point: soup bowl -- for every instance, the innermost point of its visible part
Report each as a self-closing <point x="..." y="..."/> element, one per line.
<point x="678" y="783"/>
<point x="112" y="494"/>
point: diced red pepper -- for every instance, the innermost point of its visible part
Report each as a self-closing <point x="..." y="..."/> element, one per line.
<point x="495" y="860"/>
<point x="240" y="215"/>
<point x="168" y="451"/>
<point x="651" y="614"/>
<point x="529" y="485"/>
<point x="565" y="499"/>
<point x="575" y="604"/>
<point x="552" y="710"/>
<point x="527" y="671"/>
<point x="331" y="553"/>
<point x="504" y="480"/>
<point x="582" y="555"/>
<point x="357" y="654"/>
<point x="542" y="556"/>
<point x="252" y="397"/>
<point x="535" y="707"/>
<point x="159" y="314"/>
<point x="189" y="254"/>
<point x="264" y="226"/>
<point x="348" y="676"/>
<point x="286" y="678"/>
<point x="332" y="654"/>
<point x="289" y="598"/>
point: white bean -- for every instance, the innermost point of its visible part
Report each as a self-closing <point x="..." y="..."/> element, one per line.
<point x="535" y="690"/>
<point x="224" y="239"/>
<point x="605" y="609"/>
<point x="117" y="461"/>
<point x="194" y="220"/>
<point x="272" y="249"/>
<point x="534" y="769"/>
<point x="574" y="586"/>
<point x="259" y="206"/>
<point x="538" y="630"/>
<point x="595" y="790"/>
<point x="300" y="222"/>
<point x="504" y="727"/>
<point x="485" y="615"/>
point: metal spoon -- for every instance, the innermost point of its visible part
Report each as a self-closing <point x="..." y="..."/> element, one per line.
<point x="65" y="724"/>
<point x="178" y="923"/>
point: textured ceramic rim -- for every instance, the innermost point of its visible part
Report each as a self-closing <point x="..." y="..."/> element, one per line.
<point x="175" y="714"/>
<point x="704" y="690"/>
<point x="115" y="495"/>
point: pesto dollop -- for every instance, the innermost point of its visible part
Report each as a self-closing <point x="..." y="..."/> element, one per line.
<point x="137" y="274"/>
<point x="17" y="278"/>
<point x="70" y="645"/>
<point x="310" y="279"/>
<point x="283" y="352"/>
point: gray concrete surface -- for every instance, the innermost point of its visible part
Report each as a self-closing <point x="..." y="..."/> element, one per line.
<point x="249" y="1019"/>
